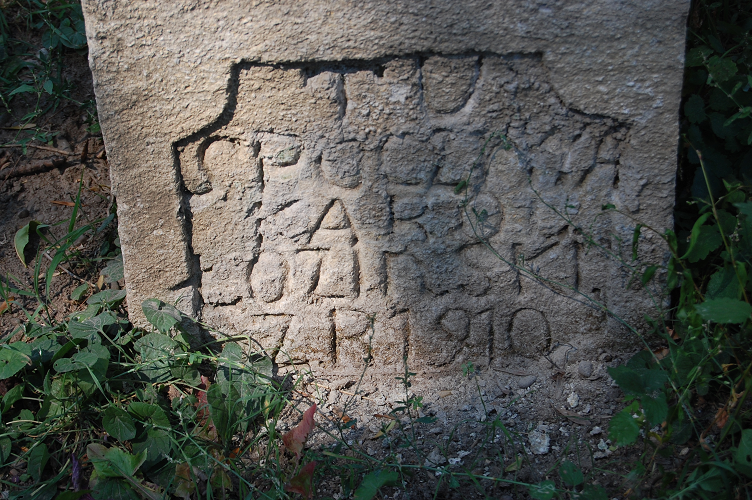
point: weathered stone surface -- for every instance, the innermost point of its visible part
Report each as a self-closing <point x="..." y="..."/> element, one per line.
<point x="286" y="171"/>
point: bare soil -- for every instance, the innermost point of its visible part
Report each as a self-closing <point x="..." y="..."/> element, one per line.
<point x="41" y="184"/>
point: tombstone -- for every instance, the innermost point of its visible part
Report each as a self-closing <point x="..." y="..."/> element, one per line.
<point x="288" y="171"/>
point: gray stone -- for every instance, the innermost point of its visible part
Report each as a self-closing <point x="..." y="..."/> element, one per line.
<point x="585" y="369"/>
<point x="526" y="381"/>
<point x="287" y="171"/>
<point x="435" y="458"/>
<point x="539" y="442"/>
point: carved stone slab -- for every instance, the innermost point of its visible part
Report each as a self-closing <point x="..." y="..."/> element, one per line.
<point x="287" y="171"/>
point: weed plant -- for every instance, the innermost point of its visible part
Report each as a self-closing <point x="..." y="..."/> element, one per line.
<point x="36" y="36"/>
<point x="690" y="397"/>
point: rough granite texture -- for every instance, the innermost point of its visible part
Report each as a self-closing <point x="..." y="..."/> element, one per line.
<point x="287" y="170"/>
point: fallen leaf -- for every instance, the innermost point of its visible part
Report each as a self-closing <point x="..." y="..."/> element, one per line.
<point x="5" y="305"/>
<point x="514" y="465"/>
<point x="295" y="439"/>
<point x="661" y="353"/>
<point x="341" y="415"/>
<point x="443" y="394"/>
<point x="721" y="417"/>
<point x="27" y="126"/>
<point x="202" y="403"/>
<point x="574" y="417"/>
<point x="390" y="417"/>
<point x="173" y="392"/>
<point x="672" y="333"/>
<point x="65" y="203"/>
<point x="391" y="425"/>
<point x="303" y="482"/>
<point x="4" y="165"/>
<point x="184" y="484"/>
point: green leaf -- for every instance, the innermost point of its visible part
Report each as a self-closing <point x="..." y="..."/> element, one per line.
<point x="542" y="491"/>
<point x="697" y="56"/>
<point x="78" y="293"/>
<point x="162" y="316"/>
<point x="743" y="113"/>
<point x="118" y="423"/>
<point x="373" y="482"/>
<point x="571" y="474"/>
<point x="743" y="454"/>
<point x="149" y="413"/>
<point x="113" y="271"/>
<point x="703" y="240"/>
<point x="21" y="241"/>
<point x="724" y="310"/>
<point x="38" y="457"/>
<point x="82" y="329"/>
<point x="694" y="109"/>
<point x="220" y="408"/>
<point x="107" y="298"/>
<point x="459" y="187"/>
<point x="114" y="462"/>
<point x="628" y="380"/>
<point x="111" y="488"/>
<point x="648" y="274"/>
<point x="91" y="327"/>
<point x="721" y="69"/>
<point x="157" y="351"/>
<point x="656" y="409"/>
<point x="5" y="449"/>
<point x="48" y="86"/>
<point x="12" y="396"/>
<point x="593" y="492"/>
<point x="723" y="284"/>
<point x="64" y="365"/>
<point x="22" y="89"/>
<point x="623" y="429"/>
<point x="635" y="240"/>
<point x="12" y="361"/>
<point x="156" y="443"/>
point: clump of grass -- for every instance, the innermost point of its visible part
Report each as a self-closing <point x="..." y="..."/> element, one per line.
<point x="36" y="38"/>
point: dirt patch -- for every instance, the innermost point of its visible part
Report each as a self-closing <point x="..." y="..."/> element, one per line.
<point x="40" y="182"/>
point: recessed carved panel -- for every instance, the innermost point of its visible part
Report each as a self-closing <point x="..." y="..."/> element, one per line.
<point x="326" y="195"/>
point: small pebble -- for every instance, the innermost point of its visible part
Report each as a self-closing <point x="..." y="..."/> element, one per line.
<point x="435" y="458"/>
<point x="585" y="369"/>
<point x="596" y="430"/>
<point x="573" y="400"/>
<point x="539" y="442"/>
<point x="63" y="144"/>
<point x="23" y="213"/>
<point x="526" y="382"/>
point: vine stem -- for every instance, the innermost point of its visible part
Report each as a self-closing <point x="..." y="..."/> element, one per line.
<point x="718" y="221"/>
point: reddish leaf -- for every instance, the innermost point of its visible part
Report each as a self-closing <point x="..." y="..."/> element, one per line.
<point x="203" y="403"/>
<point x="303" y="482"/>
<point x="295" y="439"/>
